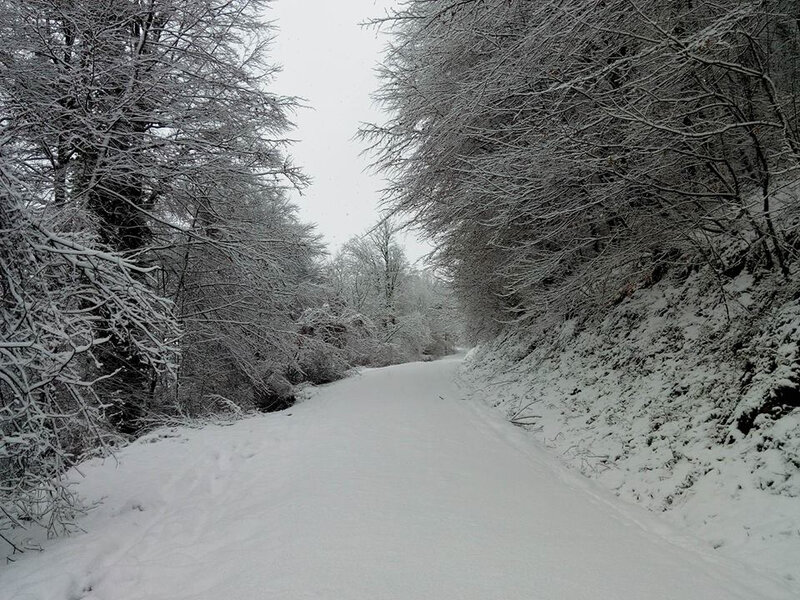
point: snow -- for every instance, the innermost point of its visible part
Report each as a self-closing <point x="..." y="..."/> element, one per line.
<point x="385" y="485"/>
<point x="646" y="399"/>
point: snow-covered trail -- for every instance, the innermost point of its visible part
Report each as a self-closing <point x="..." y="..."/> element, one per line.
<point x="382" y="486"/>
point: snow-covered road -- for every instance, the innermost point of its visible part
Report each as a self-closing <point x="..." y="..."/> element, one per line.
<point x="382" y="486"/>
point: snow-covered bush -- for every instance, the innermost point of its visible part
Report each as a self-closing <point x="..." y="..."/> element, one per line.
<point x="320" y="362"/>
<point x="331" y="341"/>
<point x="411" y="331"/>
<point x="63" y="301"/>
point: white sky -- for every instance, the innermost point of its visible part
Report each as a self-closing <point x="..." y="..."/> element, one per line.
<point x="328" y="59"/>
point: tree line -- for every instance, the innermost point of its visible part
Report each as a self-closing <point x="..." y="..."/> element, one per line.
<point x="151" y="264"/>
<point x="562" y="154"/>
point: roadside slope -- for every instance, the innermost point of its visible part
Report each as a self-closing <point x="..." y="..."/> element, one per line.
<point x="384" y="485"/>
<point x="683" y="398"/>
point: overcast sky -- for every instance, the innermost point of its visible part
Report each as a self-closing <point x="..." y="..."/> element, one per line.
<point x="329" y="60"/>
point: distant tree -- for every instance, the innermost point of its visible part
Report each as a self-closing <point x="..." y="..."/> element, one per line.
<point x="429" y="300"/>
<point x="368" y="272"/>
<point x="412" y="312"/>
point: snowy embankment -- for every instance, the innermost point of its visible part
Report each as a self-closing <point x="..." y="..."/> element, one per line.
<point x="677" y="400"/>
<point x="385" y="485"/>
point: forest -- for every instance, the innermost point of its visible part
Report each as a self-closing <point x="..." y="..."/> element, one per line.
<point x="611" y="192"/>
<point x="563" y="154"/>
<point x="153" y="267"/>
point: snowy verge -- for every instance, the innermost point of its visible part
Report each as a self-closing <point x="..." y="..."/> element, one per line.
<point x="684" y="399"/>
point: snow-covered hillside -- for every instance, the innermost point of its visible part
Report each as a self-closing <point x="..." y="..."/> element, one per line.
<point x="385" y="485"/>
<point x="684" y="398"/>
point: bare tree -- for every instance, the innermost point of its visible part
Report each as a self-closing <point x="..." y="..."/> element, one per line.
<point x="413" y="312"/>
<point x="144" y="225"/>
<point x="561" y="154"/>
<point x="142" y="114"/>
<point x="369" y="272"/>
<point x="55" y="286"/>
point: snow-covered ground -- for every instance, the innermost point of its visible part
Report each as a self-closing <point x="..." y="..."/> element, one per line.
<point x="385" y="485"/>
<point x="670" y="400"/>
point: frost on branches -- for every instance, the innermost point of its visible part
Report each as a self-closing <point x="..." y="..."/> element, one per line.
<point x="63" y="303"/>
